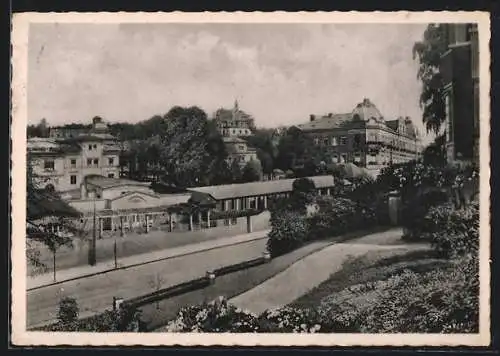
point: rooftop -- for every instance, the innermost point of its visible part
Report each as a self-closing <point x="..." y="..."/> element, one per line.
<point x="259" y="188"/>
<point x="233" y="139"/>
<point x="104" y="182"/>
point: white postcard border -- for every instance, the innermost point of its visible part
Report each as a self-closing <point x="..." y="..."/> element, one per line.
<point x="19" y="334"/>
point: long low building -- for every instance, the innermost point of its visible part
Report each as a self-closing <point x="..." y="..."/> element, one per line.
<point x="254" y="195"/>
<point x="122" y="205"/>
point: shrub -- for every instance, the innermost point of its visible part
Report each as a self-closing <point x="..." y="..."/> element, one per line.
<point x="288" y="231"/>
<point x="122" y="319"/>
<point x="68" y="312"/>
<point x="215" y="316"/>
<point x="414" y="211"/>
<point x="442" y="300"/>
<point x="289" y="320"/>
<point x="336" y="216"/>
<point x="219" y="316"/>
<point x="452" y="231"/>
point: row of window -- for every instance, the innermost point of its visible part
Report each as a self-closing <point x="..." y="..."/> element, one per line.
<point x="91" y="162"/>
<point x="342" y="140"/>
<point x="73" y="178"/>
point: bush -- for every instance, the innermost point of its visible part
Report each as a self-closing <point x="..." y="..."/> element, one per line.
<point x="289" y="231"/>
<point x="336" y="216"/>
<point x="453" y="232"/>
<point x="414" y="211"/>
<point x="68" y="312"/>
<point x="215" y="316"/>
<point x="219" y="316"/>
<point x="443" y="300"/>
<point x="122" y="319"/>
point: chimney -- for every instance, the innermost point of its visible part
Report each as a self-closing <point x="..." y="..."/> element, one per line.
<point x="311" y="117"/>
<point x="330" y="114"/>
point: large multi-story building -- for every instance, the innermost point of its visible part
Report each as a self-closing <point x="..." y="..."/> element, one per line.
<point x="460" y="71"/>
<point x="234" y="122"/>
<point x="364" y="137"/>
<point x="62" y="163"/>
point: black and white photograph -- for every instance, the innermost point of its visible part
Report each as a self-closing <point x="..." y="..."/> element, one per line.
<point x="251" y="179"/>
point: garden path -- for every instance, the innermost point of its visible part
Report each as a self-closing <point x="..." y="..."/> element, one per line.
<point x="316" y="268"/>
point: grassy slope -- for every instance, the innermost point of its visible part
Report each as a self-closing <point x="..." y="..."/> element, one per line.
<point x="235" y="283"/>
<point x="372" y="267"/>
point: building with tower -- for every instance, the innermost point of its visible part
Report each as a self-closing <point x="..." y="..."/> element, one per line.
<point x="234" y="122"/>
<point x="364" y="137"/>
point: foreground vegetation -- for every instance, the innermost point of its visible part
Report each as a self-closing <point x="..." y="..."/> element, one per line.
<point x="432" y="292"/>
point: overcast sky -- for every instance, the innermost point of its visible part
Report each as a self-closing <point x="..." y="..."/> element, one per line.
<point x="280" y="73"/>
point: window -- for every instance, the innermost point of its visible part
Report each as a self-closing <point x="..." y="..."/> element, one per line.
<point x="73" y="163"/>
<point x="326" y="141"/>
<point x="357" y="140"/>
<point x="72" y="180"/>
<point x="111" y="175"/>
<point x="111" y="161"/>
<point x="90" y="147"/>
<point x="89" y="162"/>
<point x="343" y="158"/>
<point x="234" y="221"/>
<point x="316" y="141"/>
<point x="95" y="147"/>
<point x="96" y="162"/>
<point x="334" y="141"/>
<point x="48" y="164"/>
<point x="343" y="140"/>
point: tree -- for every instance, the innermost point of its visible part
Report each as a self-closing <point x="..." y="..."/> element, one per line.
<point x="435" y="153"/>
<point x="429" y="52"/>
<point x="252" y="172"/>
<point x="303" y="193"/>
<point x="293" y="147"/>
<point x="236" y="172"/>
<point x="39" y="130"/>
<point x="41" y="205"/>
<point x="263" y="141"/>
<point x="191" y="147"/>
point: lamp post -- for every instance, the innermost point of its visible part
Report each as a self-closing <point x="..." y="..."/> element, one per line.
<point x="92" y="250"/>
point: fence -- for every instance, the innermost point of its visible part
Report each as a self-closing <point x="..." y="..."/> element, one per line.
<point x="138" y="243"/>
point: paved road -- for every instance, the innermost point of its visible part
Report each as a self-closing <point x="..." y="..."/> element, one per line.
<point x="94" y="294"/>
<point x="314" y="269"/>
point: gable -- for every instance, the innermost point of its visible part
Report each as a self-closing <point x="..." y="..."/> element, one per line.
<point x="132" y="200"/>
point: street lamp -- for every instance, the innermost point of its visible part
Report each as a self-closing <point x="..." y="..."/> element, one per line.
<point x="92" y="250"/>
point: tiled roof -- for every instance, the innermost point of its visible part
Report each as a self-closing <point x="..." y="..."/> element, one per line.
<point x="90" y="137"/>
<point x="366" y="110"/>
<point x="233" y="139"/>
<point x="259" y="188"/>
<point x="326" y="122"/>
<point x="104" y="182"/>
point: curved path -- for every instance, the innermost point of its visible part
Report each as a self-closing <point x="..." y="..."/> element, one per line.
<point x="314" y="269"/>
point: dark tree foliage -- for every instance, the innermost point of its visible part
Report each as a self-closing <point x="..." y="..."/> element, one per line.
<point x="428" y="52"/>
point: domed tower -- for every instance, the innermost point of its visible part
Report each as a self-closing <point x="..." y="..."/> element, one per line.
<point x="367" y="111"/>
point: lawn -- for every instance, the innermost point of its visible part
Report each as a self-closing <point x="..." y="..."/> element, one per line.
<point x="371" y="267"/>
<point x="235" y="283"/>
